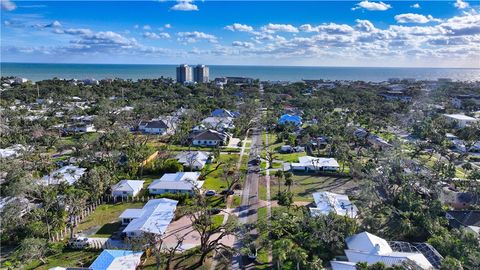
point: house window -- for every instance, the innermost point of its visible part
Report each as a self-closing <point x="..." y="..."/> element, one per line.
<point x="124" y="192"/>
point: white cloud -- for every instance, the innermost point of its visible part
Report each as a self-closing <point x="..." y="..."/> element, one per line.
<point x="415" y="18"/>
<point x="330" y="28"/>
<point x="416" y="5"/>
<point x="272" y="28"/>
<point x="373" y="6"/>
<point x="460" y="4"/>
<point x="364" y="25"/>
<point x="152" y="35"/>
<point x="147" y="27"/>
<point x="185" y="5"/>
<point x="167" y="25"/>
<point x="8" y="5"/>
<point x="243" y="44"/>
<point x="195" y="36"/>
<point x="239" y="27"/>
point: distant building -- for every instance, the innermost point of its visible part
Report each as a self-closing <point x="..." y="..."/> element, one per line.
<point x="200" y="74"/>
<point x="290" y="119"/>
<point x="239" y="80"/>
<point x="184" y="74"/>
<point x="68" y="174"/>
<point x="461" y="120"/>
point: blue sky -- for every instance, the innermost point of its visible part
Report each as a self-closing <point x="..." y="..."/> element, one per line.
<point x="312" y="33"/>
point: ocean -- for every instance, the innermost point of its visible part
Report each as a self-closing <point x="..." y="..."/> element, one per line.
<point x="36" y="72"/>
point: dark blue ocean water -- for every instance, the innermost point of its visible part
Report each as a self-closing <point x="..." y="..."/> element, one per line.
<point x="37" y="72"/>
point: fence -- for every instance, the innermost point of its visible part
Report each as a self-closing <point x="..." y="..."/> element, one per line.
<point x="64" y="233"/>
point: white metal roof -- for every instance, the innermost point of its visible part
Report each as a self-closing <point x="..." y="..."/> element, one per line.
<point x="178" y="181"/>
<point x="369" y="243"/>
<point x="316" y="161"/>
<point x="461" y="117"/>
<point x="69" y="174"/>
<point x="128" y="185"/>
<point x="327" y="202"/>
<point x="157" y="215"/>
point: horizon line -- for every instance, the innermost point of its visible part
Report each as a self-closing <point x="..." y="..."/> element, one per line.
<point x="233" y="65"/>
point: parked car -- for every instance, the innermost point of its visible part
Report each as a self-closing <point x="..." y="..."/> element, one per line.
<point x="78" y="242"/>
<point x="210" y="192"/>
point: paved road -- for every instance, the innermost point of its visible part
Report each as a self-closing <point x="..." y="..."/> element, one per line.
<point x="247" y="214"/>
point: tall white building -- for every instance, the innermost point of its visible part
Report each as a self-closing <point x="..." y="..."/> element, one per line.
<point x="201" y="74"/>
<point x="184" y="73"/>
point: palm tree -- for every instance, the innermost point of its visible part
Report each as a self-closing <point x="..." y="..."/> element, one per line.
<point x="299" y="255"/>
<point x="288" y="181"/>
<point x="280" y="251"/>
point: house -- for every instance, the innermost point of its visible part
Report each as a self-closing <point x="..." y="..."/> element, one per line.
<point x="154" y="218"/>
<point x="396" y="95"/>
<point x="117" y="259"/>
<point x="80" y="128"/>
<point x="210" y="137"/>
<point x="290" y="149"/>
<point x="127" y="188"/>
<point x="467" y="219"/>
<point x="181" y="182"/>
<point x="194" y="160"/>
<point x="369" y="248"/>
<point x="376" y="141"/>
<point x="224" y="113"/>
<point x="460" y="120"/>
<point x="216" y="123"/>
<point x="327" y="202"/>
<point x="162" y="126"/>
<point x="288" y="119"/>
<point x="68" y="174"/>
<point x="308" y="163"/>
<point x="20" y="205"/>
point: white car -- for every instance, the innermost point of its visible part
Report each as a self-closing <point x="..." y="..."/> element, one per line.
<point x="78" y="242"/>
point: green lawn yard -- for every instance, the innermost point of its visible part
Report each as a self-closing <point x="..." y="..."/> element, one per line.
<point x="105" y="218"/>
<point x="68" y="258"/>
<point x="305" y="185"/>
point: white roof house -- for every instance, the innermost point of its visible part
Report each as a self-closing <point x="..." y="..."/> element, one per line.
<point x="369" y="248"/>
<point x="175" y="183"/>
<point x="308" y="163"/>
<point x="116" y="259"/>
<point x="154" y="217"/>
<point x="216" y="123"/>
<point x="127" y="188"/>
<point x="194" y="160"/>
<point x="69" y="174"/>
<point x="327" y="202"/>
<point x="460" y="119"/>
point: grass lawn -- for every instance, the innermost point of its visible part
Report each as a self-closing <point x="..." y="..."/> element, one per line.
<point x="305" y="185"/>
<point x="262" y="191"/>
<point x="185" y="260"/>
<point x="290" y="157"/>
<point x="105" y="217"/>
<point x="68" y="258"/>
<point x="214" y="180"/>
<point x="237" y="201"/>
<point x="217" y="220"/>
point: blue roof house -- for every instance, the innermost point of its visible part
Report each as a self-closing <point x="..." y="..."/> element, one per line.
<point x="288" y="119"/>
<point x="117" y="259"/>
